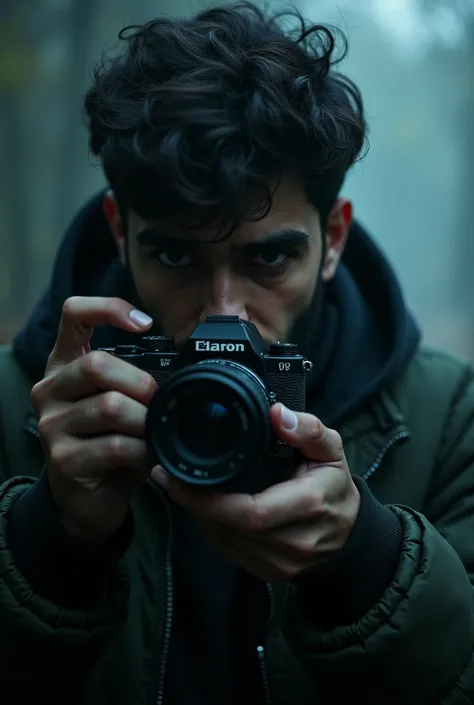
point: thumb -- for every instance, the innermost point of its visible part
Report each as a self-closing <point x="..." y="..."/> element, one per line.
<point x="307" y="433"/>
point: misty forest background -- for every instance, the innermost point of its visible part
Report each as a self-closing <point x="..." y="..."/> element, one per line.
<point x="414" y="61"/>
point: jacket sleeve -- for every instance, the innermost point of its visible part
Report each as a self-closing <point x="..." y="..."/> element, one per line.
<point x="416" y="644"/>
<point x="47" y="650"/>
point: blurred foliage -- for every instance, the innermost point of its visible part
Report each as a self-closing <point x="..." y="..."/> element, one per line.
<point x="17" y="65"/>
<point x="413" y="60"/>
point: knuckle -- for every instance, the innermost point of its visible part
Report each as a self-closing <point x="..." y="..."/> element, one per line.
<point x="60" y="456"/>
<point x="46" y="425"/>
<point x="114" y="305"/>
<point x="37" y="394"/>
<point x="315" y="430"/>
<point x="148" y="385"/>
<point x="286" y="572"/>
<point x="336" y="441"/>
<point x="111" y="406"/>
<point x="312" y="502"/>
<point x="256" y="519"/>
<point x="117" y="447"/>
<point x="303" y="547"/>
<point x="94" y="363"/>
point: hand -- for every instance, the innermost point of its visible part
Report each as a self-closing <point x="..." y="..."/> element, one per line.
<point x="91" y="410"/>
<point x="289" y="528"/>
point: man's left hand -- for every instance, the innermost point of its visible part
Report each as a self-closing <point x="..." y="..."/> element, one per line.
<point x="292" y="527"/>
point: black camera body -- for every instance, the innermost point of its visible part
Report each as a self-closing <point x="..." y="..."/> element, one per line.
<point x="208" y="423"/>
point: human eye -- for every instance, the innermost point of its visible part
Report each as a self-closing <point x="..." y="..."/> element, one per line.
<point x="173" y="258"/>
<point x="270" y="258"/>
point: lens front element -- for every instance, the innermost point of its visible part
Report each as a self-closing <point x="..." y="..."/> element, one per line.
<point x="206" y="429"/>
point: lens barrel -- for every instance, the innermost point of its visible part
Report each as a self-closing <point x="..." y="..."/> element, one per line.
<point x="209" y="422"/>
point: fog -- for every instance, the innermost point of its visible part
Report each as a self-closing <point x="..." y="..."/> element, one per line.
<point x="414" y="63"/>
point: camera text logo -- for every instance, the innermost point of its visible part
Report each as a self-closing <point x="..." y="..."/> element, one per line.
<point x="207" y="346"/>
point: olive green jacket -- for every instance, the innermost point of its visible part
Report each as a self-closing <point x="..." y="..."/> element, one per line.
<point x="414" y="445"/>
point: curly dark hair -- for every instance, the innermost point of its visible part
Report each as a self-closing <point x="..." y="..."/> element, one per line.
<point x="202" y="117"/>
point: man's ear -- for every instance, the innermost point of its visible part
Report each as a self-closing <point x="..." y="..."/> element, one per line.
<point x="339" y="224"/>
<point x="114" y="219"/>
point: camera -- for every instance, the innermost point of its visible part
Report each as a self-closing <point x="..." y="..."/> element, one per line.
<point x="208" y="423"/>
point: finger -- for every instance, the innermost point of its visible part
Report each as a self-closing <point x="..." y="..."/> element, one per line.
<point x="308" y="434"/>
<point x="305" y="542"/>
<point x="104" y="413"/>
<point x="295" y="500"/>
<point x="263" y="561"/>
<point x="80" y="315"/>
<point x="206" y="504"/>
<point x="100" y="371"/>
<point x="99" y="455"/>
<point x="298" y="500"/>
<point x="241" y="555"/>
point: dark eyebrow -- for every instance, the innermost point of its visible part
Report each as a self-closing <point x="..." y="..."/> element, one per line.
<point x="282" y="239"/>
<point x="152" y="237"/>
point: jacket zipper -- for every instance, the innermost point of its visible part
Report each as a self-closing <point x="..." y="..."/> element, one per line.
<point x="168" y="602"/>
<point x="402" y="435"/>
<point x="168" y="585"/>
<point x="31" y="429"/>
<point x="261" y="649"/>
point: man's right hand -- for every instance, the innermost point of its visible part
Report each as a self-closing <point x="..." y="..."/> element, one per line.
<point x="91" y="409"/>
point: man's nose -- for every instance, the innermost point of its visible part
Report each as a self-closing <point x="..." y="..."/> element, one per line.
<point x="224" y="296"/>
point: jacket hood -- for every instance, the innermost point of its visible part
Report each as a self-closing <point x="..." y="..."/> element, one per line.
<point x="363" y="339"/>
<point x="367" y="332"/>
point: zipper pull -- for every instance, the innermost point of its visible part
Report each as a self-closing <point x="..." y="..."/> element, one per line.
<point x="263" y="672"/>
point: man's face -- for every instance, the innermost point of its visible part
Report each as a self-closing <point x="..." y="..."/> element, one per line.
<point x="265" y="272"/>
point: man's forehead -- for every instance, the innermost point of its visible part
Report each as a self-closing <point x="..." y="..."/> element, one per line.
<point x="285" y="228"/>
<point x="289" y="211"/>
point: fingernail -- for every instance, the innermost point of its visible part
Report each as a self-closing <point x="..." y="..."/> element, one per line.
<point x="289" y="419"/>
<point x="139" y="318"/>
<point x="160" y="477"/>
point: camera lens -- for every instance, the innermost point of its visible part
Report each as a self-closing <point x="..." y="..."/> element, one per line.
<point x="206" y="429"/>
<point x="209" y="422"/>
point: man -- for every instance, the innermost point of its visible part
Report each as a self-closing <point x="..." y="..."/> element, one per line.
<point x="225" y="143"/>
